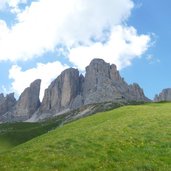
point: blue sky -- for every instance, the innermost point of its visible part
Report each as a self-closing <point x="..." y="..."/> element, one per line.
<point x="40" y="38"/>
<point x="152" y="17"/>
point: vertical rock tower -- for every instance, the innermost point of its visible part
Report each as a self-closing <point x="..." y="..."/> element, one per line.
<point x="102" y="83"/>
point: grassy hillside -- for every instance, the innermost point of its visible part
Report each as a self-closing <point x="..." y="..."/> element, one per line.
<point x="127" y="138"/>
<point x="13" y="134"/>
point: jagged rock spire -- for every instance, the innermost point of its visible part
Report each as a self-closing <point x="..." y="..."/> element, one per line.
<point x="165" y="95"/>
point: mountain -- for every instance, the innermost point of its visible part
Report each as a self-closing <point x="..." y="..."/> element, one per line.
<point x="165" y="95"/>
<point x="101" y="83"/>
<point x="6" y="103"/>
<point x="71" y="90"/>
<point x="24" y="108"/>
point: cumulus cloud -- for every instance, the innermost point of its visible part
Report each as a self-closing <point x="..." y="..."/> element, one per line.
<point x="123" y="46"/>
<point x="45" y="72"/>
<point x="45" y="24"/>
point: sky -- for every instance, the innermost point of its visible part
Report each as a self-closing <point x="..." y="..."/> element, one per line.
<point x="41" y="38"/>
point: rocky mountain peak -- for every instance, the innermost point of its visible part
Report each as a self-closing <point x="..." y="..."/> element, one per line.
<point x="71" y="90"/>
<point x="102" y="83"/>
<point x="6" y="103"/>
<point x="100" y="69"/>
<point x="62" y="91"/>
<point x="1" y="97"/>
<point x="29" y="101"/>
<point x="137" y="92"/>
<point x="165" y="95"/>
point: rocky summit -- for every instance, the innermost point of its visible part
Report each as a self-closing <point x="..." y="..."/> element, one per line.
<point x="71" y="90"/>
<point x="62" y="92"/>
<point x="101" y="83"/>
<point x="6" y="103"/>
<point x="24" y="108"/>
<point x="165" y="95"/>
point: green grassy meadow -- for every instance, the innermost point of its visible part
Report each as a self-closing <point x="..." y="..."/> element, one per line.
<point x="13" y="134"/>
<point x="130" y="138"/>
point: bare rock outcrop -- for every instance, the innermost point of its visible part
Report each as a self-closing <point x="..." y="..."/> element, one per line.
<point x="28" y="101"/>
<point x="25" y="107"/>
<point x="165" y="95"/>
<point x="102" y="83"/>
<point x="62" y="92"/>
<point x="137" y="93"/>
<point x="6" y="103"/>
<point x="71" y="90"/>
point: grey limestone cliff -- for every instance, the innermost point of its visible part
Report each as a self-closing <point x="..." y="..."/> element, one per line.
<point x="62" y="92"/>
<point x="136" y="93"/>
<point x="28" y="101"/>
<point x="165" y="95"/>
<point x="71" y="90"/>
<point x="6" y="103"/>
<point x="25" y="107"/>
<point x="102" y="83"/>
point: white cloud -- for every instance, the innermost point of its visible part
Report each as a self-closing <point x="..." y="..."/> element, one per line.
<point x="4" y="31"/>
<point x="123" y="46"/>
<point x="45" y="72"/>
<point x="44" y="24"/>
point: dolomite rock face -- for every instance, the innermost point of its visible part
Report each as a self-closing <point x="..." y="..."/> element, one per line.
<point x="101" y="80"/>
<point x="102" y="83"/>
<point x="165" y="95"/>
<point x="6" y="103"/>
<point x="137" y="93"/>
<point x="63" y="92"/>
<point x="71" y="90"/>
<point x="28" y="101"/>
<point x="22" y="109"/>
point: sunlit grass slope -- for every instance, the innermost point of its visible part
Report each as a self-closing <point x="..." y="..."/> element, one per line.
<point x="127" y="138"/>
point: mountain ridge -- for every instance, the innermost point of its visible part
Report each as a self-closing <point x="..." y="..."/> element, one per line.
<point x="70" y="90"/>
